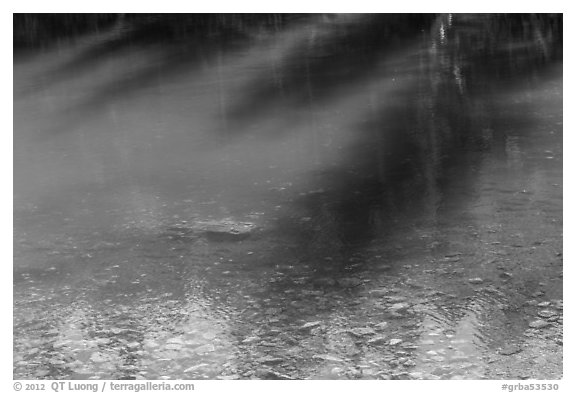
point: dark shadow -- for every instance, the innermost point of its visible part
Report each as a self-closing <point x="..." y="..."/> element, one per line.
<point x="404" y="162"/>
<point x="177" y="44"/>
<point x="33" y="33"/>
<point x="316" y="71"/>
<point x="408" y="166"/>
<point x="168" y="34"/>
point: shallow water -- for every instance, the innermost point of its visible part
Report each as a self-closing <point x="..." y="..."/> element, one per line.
<point x="404" y="183"/>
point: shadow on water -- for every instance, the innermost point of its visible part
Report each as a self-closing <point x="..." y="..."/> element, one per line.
<point x="169" y="34"/>
<point x="32" y="32"/>
<point x="178" y="44"/>
<point x="410" y="167"/>
<point x="328" y="59"/>
<point x="366" y="274"/>
<point x="407" y="155"/>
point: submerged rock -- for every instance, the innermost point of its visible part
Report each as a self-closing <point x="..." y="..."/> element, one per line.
<point x="196" y="367"/>
<point x="538" y="324"/>
<point x="510" y="350"/>
<point x="250" y="339"/>
<point x="379" y="292"/>
<point x="327" y="357"/>
<point x="381" y="326"/>
<point x="269" y="360"/>
<point x="228" y="377"/>
<point x="99" y="358"/>
<point x="226" y="229"/>
<point x="310" y="325"/>
<point x="265" y="373"/>
<point x="41" y="373"/>
<point x="416" y="375"/>
<point x="173" y="347"/>
<point x="175" y="340"/>
<point x="547" y="313"/>
<point x="398" y="307"/>
<point x="359" y="332"/>
<point x="377" y="340"/>
<point x="133" y="345"/>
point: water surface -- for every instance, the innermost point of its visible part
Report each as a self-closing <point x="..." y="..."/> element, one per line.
<point x="403" y="174"/>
